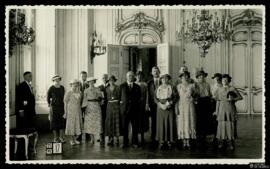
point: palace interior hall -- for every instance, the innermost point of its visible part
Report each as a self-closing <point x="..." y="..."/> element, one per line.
<point x="65" y="41"/>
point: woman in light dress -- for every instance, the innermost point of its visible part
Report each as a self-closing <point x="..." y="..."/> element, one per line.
<point x="73" y="114"/>
<point x="165" y="97"/>
<point x="93" y="117"/>
<point x="226" y="112"/>
<point x="186" y="119"/>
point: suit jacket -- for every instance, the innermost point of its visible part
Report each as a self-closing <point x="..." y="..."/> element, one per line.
<point x="83" y="86"/>
<point x="24" y="94"/>
<point x="152" y="92"/>
<point x="129" y="99"/>
<point x="103" y="90"/>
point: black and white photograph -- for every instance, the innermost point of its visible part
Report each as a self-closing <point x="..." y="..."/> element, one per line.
<point x="135" y="84"/>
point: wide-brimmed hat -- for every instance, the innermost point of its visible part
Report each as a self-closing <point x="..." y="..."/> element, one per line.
<point x="184" y="73"/>
<point x="74" y="81"/>
<point x="227" y="76"/>
<point x="56" y="77"/>
<point x="112" y="77"/>
<point x="219" y="75"/>
<point x="91" y="79"/>
<point x="165" y="75"/>
<point x="201" y="72"/>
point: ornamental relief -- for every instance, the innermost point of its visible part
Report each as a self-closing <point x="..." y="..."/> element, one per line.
<point x="140" y="28"/>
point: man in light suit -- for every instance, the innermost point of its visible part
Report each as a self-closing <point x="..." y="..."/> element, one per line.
<point x="83" y="85"/>
<point x="26" y="103"/>
<point x="130" y="93"/>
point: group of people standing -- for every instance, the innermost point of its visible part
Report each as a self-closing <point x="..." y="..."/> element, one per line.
<point x="183" y="113"/>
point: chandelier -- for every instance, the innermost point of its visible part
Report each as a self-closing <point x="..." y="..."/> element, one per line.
<point x="98" y="46"/>
<point x="205" y="28"/>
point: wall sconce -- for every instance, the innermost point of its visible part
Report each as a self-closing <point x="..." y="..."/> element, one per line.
<point x="19" y="33"/>
<point x="98" y="46"/>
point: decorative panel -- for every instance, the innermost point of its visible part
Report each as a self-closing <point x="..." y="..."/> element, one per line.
<point x="257" y="77"/>
<point x="240" y="36"/>
<point x="256" y="36"/>
<point x="129" y="13"/>
<point x="239" y="58"/>
<point x="239" y="72"/>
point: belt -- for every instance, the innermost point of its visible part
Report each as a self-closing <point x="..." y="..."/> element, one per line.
<point x="93" y="100"/>
<point x="113" y="101"/>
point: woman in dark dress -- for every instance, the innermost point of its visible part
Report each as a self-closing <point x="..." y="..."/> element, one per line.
<point x="55" y="99"/>
<point x="112" y="122"/>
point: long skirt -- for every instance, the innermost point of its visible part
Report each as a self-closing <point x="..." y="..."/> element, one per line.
<point x="112" y="122"/>
<point x="204" y="116"/>
<point x="186" y="120"/>
<point x="165" y="126"/>
<point x="74" y="121"/>
<point x="93" y="119"/>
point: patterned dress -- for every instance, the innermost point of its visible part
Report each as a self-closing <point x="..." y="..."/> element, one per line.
<point x="93" y="116"/>
<point x="165" y="118"/>
<point x="74" y="116"/>
<point x="186" y="120"/>
<point x="112" y="122"/>
<point x="55" y="98"/>
<point x="143" y="122"/>
<point x="226" y="114"/>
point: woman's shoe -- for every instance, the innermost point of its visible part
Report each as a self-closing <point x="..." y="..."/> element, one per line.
<point x="62" y="140"/>
<point x="77" y="142"/>
<point x="72" y="143"/>
<point x="169" y="146"/>
<point x="55" y="140"/>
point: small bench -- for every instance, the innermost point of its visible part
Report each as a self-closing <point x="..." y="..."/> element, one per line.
<point x="25" y="134"/>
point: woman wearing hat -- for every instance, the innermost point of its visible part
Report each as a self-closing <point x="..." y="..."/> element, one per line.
<point x="203" y="108"/>
<point x="112" y="121"/>
<point x="55" y="99"/>
<point x="216" y="85"/>
<point x="186" y="126"/>
<point x="93" y="117"/>
<point x="73" y="114"/>
<point x="226" y="112"/>
<point x="165" y="117"/>
<point x="143" y="119"/>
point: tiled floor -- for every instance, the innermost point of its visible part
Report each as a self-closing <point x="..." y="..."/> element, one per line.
<point x="248" y="145"/>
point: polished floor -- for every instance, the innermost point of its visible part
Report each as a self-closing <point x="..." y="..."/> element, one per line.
<point x="248" y="146"/>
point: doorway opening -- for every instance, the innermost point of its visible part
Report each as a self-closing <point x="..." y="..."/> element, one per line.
<point x="142" y="59"/>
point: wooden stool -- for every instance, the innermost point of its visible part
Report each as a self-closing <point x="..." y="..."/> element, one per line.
<point x="25" y="134"/>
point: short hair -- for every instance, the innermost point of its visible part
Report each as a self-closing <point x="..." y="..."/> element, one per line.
<point x="26" y="73"/>
<point x="83" y="72"/>
<point x="155" y="67"/>
<point x="140" y="73"/>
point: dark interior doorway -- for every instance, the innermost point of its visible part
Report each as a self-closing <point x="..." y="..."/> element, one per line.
<point x="143" y="59"/>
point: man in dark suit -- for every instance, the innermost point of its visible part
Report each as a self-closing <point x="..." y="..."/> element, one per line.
<point x="83" y="85"/>
<point x="102" y="88"/>
<point x="152" y="86"/>
<point x="26" y="103"/>
<point x="130" y="93"/>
